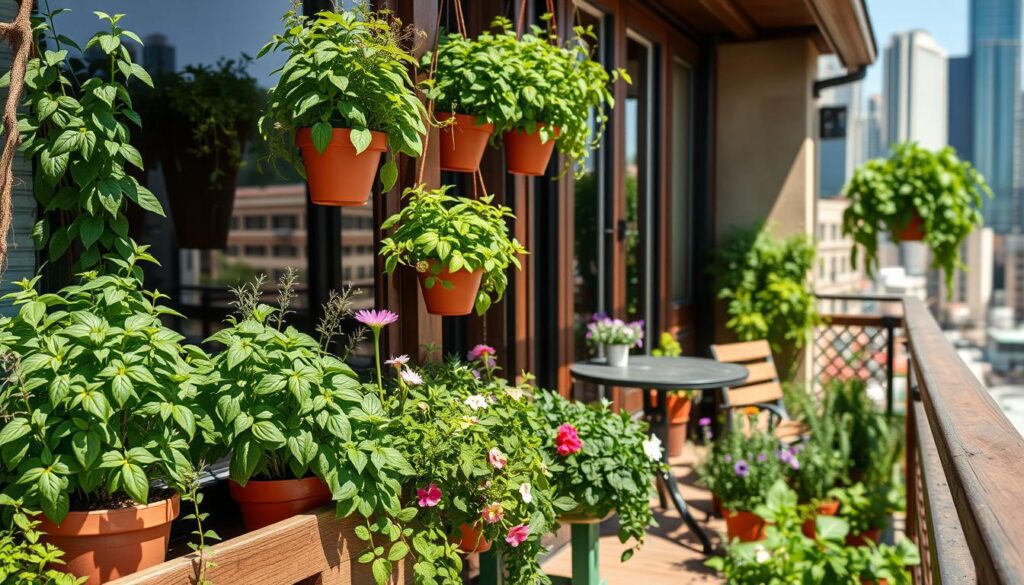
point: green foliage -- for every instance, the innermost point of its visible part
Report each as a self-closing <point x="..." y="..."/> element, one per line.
<point x="866" y="510"/>
<point x="824" y="454"/>
<point x="23" y="559"/>
<point x="345" y="69"/>
<point x="741" y="465"/>
<point x="435" y="230"/>
<point x="80" y="138"/>
<point x="765" y="284"/>
<point x="101" y="396"/>
<point x="787" y="557"/>
<point x="199" y="546"/>
<point x="946" y="192"/>
<point x="612" y="473"/>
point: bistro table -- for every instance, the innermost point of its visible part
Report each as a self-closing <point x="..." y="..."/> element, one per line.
<point x="663" y="374"/>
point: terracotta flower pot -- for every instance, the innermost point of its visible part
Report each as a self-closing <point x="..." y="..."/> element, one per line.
<point x="462" y="144"/>
<point x="716" y="506"/>
<point x="746" y="526"/>
<point x="862" y="538"/>
<point x="525" y="154"/>
<point x="106" y="544"/>
<point x="266" y="502"/>
<point x="829" y="508"/>
<point x="914" y="232"/>
<point x="339" y="176"/>
<point x="472" y="539"/>
<point x="457" y="300"/>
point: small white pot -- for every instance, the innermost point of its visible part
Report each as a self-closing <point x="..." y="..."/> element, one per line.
<point x="617" y="355"/>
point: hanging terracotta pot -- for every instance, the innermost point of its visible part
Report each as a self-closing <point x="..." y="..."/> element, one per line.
<point x="463" y="142"/>
<point x="526" y="154"/>
<point x="200" y="188"/>
<point x="914" y="232"/>
<point x="266" y="502"/>
<point x="827" y="508"/>
<point x="472" y="539"/>
<point x="106" y="544"/>
<point x="339" y="176"/>
<point x="457" y="300"/>
<point x="862" y="538"/>
<point x="746" y="526"/>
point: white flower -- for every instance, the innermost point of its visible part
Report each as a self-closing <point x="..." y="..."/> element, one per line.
<point x="876" y="393"/>
<point x="652" y="447"/>
<point x="515" y="392"/>
<point x="476" y="402"/>
<point x="411" y="378"/>
<point x="526" y="492"/>
<point x="761" y="554"/>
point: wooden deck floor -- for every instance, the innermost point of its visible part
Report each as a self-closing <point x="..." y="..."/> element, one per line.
<point x="670" y="555"/>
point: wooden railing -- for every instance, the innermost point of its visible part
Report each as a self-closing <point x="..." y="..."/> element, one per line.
<point x="965" y="460"/>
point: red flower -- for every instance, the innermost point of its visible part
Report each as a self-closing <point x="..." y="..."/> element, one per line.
<point x="568" y="440"/>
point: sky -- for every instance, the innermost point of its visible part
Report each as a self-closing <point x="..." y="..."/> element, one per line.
<point x="946" y="20"/>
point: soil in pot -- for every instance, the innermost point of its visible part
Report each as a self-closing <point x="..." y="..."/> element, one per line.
<point x="456" y="300"/>
<point x="265" y="502"/>
<point x="862" y="538"/>
<point x="472" y="540"/>
<point x="339" y="176"/>
<point x="104" y="545"/>
<point x="525" y="154"/>
<point x="828" y="508"/>
<point x="746" y="526"/>
<point x="914" y="232"/>
<point x="462" y="143"/>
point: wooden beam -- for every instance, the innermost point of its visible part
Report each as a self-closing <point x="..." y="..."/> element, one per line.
<point x="732" y="17"/>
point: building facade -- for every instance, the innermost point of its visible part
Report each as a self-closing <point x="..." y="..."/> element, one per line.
<point x="835" y="274"/>
<point x="841" y="113"/>
<point x="960" y="117"/>
<point x="915" y="95"/>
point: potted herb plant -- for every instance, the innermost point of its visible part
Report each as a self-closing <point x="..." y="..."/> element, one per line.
<point x="616" y="337"/>
<point x="460" y="247"/>
<point x="200" y="120"/>
<point x="915" y="194"/>
<point x="300" y="428"/>
<point x="344" y="97"/>
<point x="24" y="559"/>
<point x="679" y="402"/>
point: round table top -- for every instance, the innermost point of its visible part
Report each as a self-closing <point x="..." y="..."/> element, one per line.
<point x="662" y="373"/>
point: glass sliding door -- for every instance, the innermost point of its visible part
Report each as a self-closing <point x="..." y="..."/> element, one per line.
<point x="680" y="220"/>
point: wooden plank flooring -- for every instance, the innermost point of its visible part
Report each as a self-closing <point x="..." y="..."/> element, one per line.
<point x="670" y="555"/>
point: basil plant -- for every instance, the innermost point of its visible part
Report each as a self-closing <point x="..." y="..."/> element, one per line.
<point x="345" y="69"/>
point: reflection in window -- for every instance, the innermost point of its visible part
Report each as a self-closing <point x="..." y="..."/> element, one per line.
<point x="639" y="182"/>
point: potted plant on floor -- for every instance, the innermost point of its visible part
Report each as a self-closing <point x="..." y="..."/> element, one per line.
<point x="679" y="402"/>
<point x="460" y="247"/>
<point x="615" y="337"/>
<point x="344" y="97"/>
<point x="915" y="194"/>
<point x="200" y="121"/>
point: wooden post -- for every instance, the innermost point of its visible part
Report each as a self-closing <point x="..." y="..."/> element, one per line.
<point x="586" y="569"/>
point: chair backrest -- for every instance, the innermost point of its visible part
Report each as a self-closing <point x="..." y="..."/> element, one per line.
<point x="762" y="385"/>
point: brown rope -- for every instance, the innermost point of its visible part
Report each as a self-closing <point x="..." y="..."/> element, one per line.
<point x="18" y="35"/>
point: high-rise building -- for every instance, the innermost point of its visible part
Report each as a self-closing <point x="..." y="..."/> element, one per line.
<point x="995" y="51"/>
<point x="968" y="302"/>
<point x="157" y="55"/>
<point x="915" y="81"/>
<point x="873" y="144"/>
<point x="960" y="119"/>
<point x="840" y="152"/>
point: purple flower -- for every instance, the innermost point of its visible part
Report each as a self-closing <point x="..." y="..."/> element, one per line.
<point x="479" y="351"/>
<point x="741" y="468"/>
<point x="704" y="421"/>
<point x="794" y="463"/>
<point x="762" y="457"/>
<point x="397" y="361"/>
<point x="376" y="320"/>
<point x="727" y="458"/>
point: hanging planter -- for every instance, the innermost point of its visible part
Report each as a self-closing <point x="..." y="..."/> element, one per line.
<point x="265" y="502"/>
<point x="528" y="153"/>
<point x="460" y="247"/>
<point x="462" y="142"/>
<point x="340" y="175"/>
<point x="103" y="545"/>
<point x="914" y="232"/>
<point x="341" y="118"/>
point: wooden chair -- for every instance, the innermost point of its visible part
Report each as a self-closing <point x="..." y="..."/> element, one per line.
<point x="762" y="390"/>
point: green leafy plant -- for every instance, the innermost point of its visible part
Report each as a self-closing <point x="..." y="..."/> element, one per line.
<point x="766" y="287"/>
<point x="24" y="560"/>
<point x="944" y="191"/>
<point x="80" y="138"/>
<point x="865" y="510"/>
<point x="741" y="465"/>
<point x="613" y="471"/>
<point x="101" y="397"/>
<point x="824" y="454"/>
<point x="345" y="69"/>
<point x="202" y="536"/>
<point x="436" y="231"/>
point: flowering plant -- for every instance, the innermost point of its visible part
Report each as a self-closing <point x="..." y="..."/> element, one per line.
<point x="603" y="461"/>
<point x="741" y="466"/>
<point x="608" y="331"/>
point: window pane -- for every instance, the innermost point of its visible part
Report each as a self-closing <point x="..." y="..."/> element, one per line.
<point x="680" y="271"/>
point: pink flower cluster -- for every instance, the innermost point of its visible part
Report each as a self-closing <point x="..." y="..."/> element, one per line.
<point x="568" y="440"/>
<point x="429" y="496"/>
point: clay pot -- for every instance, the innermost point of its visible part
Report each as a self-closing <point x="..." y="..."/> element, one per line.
<point x="678" y="419"/>
<point x="462" y="144"/>
<point x="862" y="538"/>
<point x="457" y="300"/>
<point x="104" y="545"/>
<point x="339" y="176"/>
<point x="472" y="539"/>
<point x="525" y="154"/>
<point x="746" y="526"/>
<point x="265" y="502"/>
<point x="914" y="232"/>
<point x="828" y="508"/>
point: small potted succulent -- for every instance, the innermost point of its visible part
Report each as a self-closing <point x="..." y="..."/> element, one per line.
<point x="616" y="338"/>
<point x="679" y="402"/>
<point x="344" y="97"/>
<point x="915" y="194"/>
<point x="603" y="461"/>
<point x="460" y="247"/>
